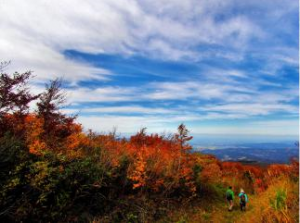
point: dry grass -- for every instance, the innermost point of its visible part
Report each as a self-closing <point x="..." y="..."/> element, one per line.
<point x="279" y="203"/>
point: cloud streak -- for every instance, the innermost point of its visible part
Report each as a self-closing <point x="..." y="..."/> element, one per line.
<point x="41" y="31"/>
<point x="159" y="63"/>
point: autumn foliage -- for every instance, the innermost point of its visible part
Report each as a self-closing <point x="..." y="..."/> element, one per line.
<point x="51" y="170"/>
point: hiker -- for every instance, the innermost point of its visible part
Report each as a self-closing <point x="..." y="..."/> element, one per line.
<point x="243" y="200"/>
<point x="229" y="198"/>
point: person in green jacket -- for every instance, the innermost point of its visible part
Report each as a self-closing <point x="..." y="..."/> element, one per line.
<point x="230" y="198"/>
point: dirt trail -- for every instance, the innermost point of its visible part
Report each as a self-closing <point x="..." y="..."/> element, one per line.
<point x="214" y="211"/>
<point x="219" y="214"/>
<point x="225" y="216"/>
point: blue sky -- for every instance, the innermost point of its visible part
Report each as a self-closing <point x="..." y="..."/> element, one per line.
<point x="221" y="67"/>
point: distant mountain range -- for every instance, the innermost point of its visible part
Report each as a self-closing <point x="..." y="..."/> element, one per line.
<point x="253" y="152"/>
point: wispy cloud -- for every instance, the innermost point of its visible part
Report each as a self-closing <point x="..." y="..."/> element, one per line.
<point x="41" y="32"/>
<point x="159" y="63"/>
<point x="277" y="128"/>
<point x="154" y="124"/>
<point x="253" y="109"/>
<point x="120" y="110"/>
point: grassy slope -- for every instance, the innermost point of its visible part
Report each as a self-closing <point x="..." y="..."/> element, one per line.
<point x="259" y="209"/>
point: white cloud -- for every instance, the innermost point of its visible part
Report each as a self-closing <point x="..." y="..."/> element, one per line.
<point x="47" y="63"/>
<point x="269" y="127"/>
<point x="124" y="124"/>
<point x="104" y="94"/>
<point x="253" y="108"/>
<point x="185" y="90"/>
<point x="154" y="124"/>
<point x="121" y="110"/>
<point x="157" y="91"/>
<point x="36" y="33"/>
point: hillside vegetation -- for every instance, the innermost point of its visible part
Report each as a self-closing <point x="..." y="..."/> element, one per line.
<point x="53" y="171"/>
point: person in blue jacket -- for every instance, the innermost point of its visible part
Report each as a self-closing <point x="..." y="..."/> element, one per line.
<point x="243" y="200"/>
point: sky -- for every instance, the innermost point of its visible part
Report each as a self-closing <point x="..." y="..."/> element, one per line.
<point x="219" y="67"/>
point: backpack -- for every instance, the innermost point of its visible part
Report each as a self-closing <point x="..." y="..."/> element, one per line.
<point x="243" y="199"/>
